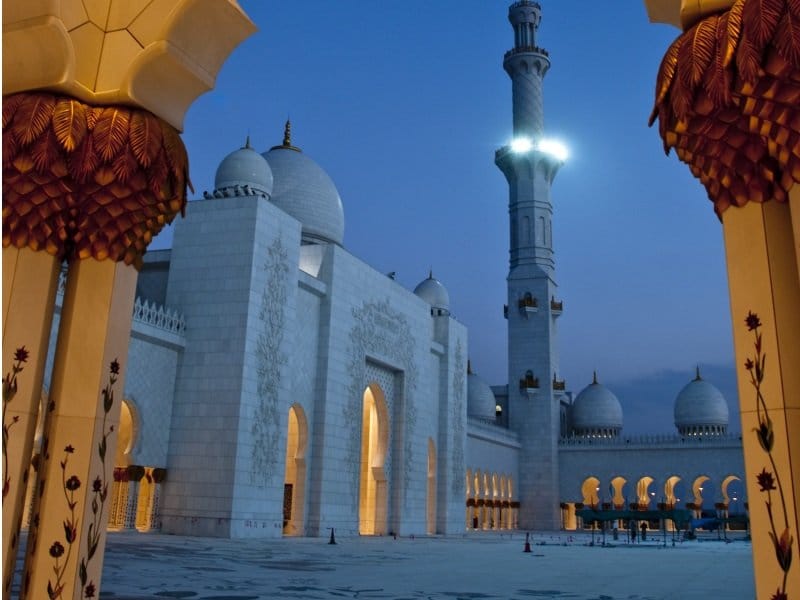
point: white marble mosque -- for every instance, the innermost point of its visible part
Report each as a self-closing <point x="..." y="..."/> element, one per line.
<point x="278" y="385"/>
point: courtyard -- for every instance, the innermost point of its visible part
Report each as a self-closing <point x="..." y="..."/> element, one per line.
<point x="475" y="566"/>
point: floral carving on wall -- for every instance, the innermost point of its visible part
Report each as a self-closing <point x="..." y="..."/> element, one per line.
<point x="457" y="426"/>
<point x="270" y="358"/>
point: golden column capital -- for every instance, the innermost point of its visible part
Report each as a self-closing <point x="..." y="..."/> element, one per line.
<point x="159" y="55"/>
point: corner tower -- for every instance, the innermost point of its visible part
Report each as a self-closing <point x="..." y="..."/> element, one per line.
<point x="533" y="386"/>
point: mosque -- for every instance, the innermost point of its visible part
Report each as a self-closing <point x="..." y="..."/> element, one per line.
<point x="278" y="385"/>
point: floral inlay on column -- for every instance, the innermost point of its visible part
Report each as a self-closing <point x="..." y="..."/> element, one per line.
<point x="100" y="484"/>
<point x="9" y="391"/>
<point x="769" y="480"/>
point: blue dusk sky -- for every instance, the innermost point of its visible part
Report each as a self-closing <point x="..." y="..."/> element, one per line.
<point x="404" y="104"/>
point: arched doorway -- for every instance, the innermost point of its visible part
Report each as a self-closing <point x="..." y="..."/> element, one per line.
<point x="431" y="512"/>
<point x="295" y="472"/>
<point x="372" y="494"/>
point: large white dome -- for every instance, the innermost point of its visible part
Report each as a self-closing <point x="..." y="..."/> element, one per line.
<point x="434" y="293"/>
<point x="596" y="412"/>
<point x="244" y="167"/>
<point x="303" y="190"/>
<point x="700" y="409"/>
<point x="480" y="399"/>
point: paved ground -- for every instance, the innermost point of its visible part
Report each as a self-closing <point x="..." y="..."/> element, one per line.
<point x="475" y="567"/>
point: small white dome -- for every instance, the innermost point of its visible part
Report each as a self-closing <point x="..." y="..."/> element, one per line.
<point x="480" y="399"/>
<point x="244" y="167"/>
<point x="306" y="192"/>
<point x="701" y="409"/>
<point x="596" y="411"/>
<point x="434" y="293"/>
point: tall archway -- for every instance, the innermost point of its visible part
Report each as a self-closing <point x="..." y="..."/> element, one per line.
<point x="295" y="472"/>
<point x="431" y="512"/>
<point x="372" y="494"/>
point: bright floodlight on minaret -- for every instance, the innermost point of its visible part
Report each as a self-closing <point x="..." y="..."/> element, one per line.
<point x="554" y="148"/>
<point x="521" y="144"/>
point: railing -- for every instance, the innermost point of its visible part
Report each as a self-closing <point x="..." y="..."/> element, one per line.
<point x="156" y="315"/>
<point x="525" y="3"/>
<point x="524" y="49"/>
<point x="653" y="440"/>
<point x="529" y="383"/>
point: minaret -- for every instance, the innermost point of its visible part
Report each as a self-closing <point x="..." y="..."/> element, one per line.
<point x="532" y="308"/>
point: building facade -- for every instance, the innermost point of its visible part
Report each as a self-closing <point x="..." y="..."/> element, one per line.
<point x="279" y="385"/>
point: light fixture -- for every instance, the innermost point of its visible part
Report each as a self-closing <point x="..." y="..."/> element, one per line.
<point x="521" y="144"/>
<point x="498" y="410"/>
<point x="554" y="148"/>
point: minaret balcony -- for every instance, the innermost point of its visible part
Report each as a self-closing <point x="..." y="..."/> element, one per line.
<point x="528" y="304"/>
<point x="559" y="385"/>
<point x="527" y="50"/>
<point x="529" y="384"/>
<point x="556" y="307"/>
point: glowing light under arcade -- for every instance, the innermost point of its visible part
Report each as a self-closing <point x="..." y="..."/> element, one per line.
<point x="550" y="146"/>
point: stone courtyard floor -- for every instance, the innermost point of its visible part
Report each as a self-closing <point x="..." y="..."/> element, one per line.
<point x="477" y="566"/>
<point x="472" y="567"/>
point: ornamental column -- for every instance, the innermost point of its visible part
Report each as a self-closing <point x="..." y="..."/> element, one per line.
<point x="734" y="117"/>
<point x="92" y="170"/>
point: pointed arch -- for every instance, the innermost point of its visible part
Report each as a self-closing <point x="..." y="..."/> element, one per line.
<point x="373" y="497"/>
<point x="643" y="493"/>
<point x="618" y="493"/>
<point x="295" y="472"/>
<point x="589" y="490"/>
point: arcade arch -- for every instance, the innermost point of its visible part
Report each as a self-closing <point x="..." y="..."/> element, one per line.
<point x="590" y="490"/>
<point x="643" y="493"/>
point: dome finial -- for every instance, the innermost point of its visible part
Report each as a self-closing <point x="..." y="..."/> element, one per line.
<point x="697" y="374"/>
<point x="247" y="142"/>
<point x="287" y="133"/>
<point x="287" y="138"/>
<point x="594" y="376"/>
<point x="430" y="273"/>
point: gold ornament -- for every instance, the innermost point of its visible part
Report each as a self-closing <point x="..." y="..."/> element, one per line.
<point x="82" y="181"/>
<point x="728" y="101"/>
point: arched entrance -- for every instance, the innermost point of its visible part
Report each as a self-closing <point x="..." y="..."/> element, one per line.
<point x="431" y="512"/>
<point x="372" y="493"/>
<point x="295" y="472"/>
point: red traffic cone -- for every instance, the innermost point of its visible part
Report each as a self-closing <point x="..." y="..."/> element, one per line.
<point x="527" y="542"/>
